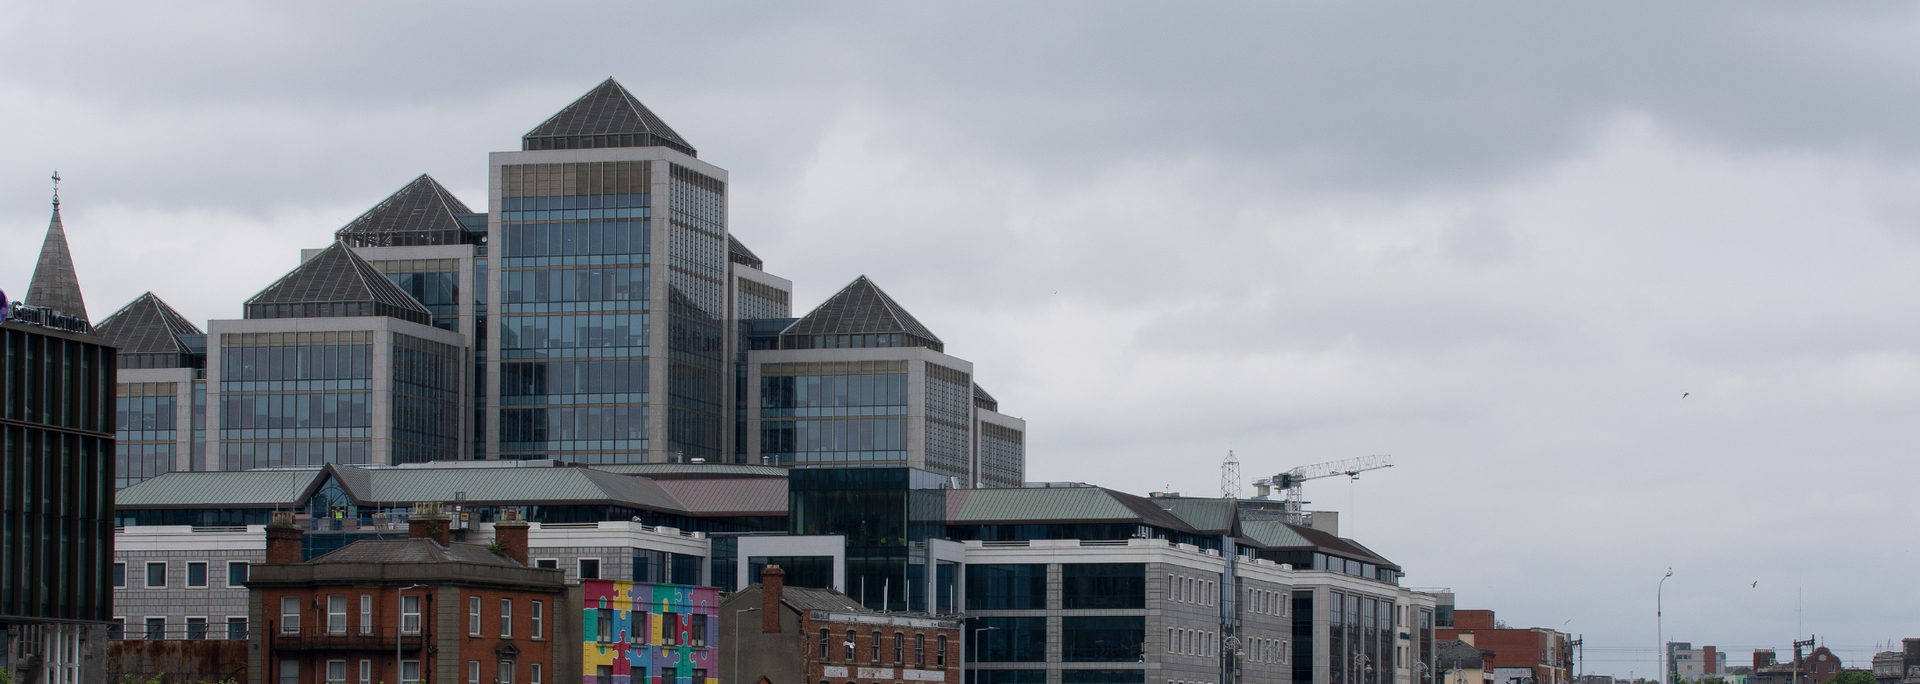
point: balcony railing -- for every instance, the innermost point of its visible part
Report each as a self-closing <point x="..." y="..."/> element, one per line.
<point x="352" y="640"/>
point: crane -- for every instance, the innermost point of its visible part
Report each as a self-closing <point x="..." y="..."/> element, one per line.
<point x="1291" y="480"/>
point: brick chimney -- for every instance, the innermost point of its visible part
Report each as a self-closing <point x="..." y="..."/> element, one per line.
<point x="772" y="581"/>
<point x="1712" y="657"/>
<point x="430" y="521"/>
<point x="1762" y="657"/>
<point x="283" y="539"/>
<point x="511" y="532"/>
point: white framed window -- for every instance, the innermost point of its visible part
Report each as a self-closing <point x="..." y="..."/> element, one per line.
<point x="589" y="568"/>
<point x="196" y="575"/>
<point x="236" y="627"/>
<point x="366" y="614"/>
<point x="473" y="616"/>
<point x="473" y="672"/>
<point x="119" y="575"/>
<point x="366" y="672"/>
<point x="337" y="618"/>
<point x="548" y="563"/>
<point x="504" y="675"/>
<point x="237" y="574"/>
<point x="336" y="672"/>
<point x="537" y="617"/>
<point x="156" y="575"/>
<point x="410" y="670"/>
<point x="197" y="628"/>
<point x="1172" y="640"/>
<point x="533" y="673"/>
<point x="289" y="615"/>
<point x="506" y="620"/>
<point x="410" y="618"/>
<point x="1281" y="655"/>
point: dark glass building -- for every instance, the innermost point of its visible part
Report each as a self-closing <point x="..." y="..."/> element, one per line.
<point x="56" y="478"/>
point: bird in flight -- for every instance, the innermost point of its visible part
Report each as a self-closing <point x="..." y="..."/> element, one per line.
<point x="1756" y="584"/>
<point x="1683" y="395"/>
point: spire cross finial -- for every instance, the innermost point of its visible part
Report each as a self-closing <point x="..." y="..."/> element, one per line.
<point x="56" y="187"/>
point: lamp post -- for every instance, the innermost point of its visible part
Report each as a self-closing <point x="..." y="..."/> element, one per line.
<point x="736" y="640"/>
<point x="1360" y="667"/>
<point x="399" y="627"/>
<point x="976" y="645"/>
<point x="1659" y="623"/>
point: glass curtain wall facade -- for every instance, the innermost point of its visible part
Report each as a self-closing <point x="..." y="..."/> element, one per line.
<point x="145" y="430"/>
<point x="949" y="421"/>
<point x="56" y="477"/>
<point x="574" y="267"/>
<point x="697" y="313"/>
<point x="296" y="399"/>
<point x="886" y="514"/>
<point x="1002" y="456"/>
<point x="434" y="282"/>
<point x="1360" y="639"/>
<point x="834" y="413"/>
<point x="426" y="400"/>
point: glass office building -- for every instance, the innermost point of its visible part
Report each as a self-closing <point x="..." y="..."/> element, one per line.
<point x="887" y="515"/>
<point x="335" y="363"/>
<point x="162" y="393"/>
<point x="604" y="211"/>
<point x="57" y="424"/>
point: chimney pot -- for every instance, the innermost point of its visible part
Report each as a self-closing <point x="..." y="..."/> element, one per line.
<point x="283" y="539"/>
<point x="511" y="531"/>
<point x="430" y="521"/>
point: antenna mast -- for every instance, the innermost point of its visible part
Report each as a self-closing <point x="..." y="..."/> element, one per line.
<point x="1230" y="477"/>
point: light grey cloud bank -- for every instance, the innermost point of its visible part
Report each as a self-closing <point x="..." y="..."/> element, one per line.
<point x="1498" y="241"/>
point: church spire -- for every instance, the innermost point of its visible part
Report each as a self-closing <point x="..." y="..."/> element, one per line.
<point x="54" y="284"/>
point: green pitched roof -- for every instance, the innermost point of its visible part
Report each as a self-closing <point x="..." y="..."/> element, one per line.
<point x="1214" y="516"/>
<point x="221" y="489"/>
<point x="1055" y="504"/>
<point x="517" y="485"/>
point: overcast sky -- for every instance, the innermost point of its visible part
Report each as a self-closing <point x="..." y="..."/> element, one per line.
<point x="1498" y="241"/>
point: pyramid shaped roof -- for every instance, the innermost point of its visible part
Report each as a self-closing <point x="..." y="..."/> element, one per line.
<point x="148" y="326"/>
<point x="607" y="116"/>
<point x="860" y="308"/>
<point x="422" y="213"/>
<point x="336" y="283"/>
<point x="54" y="284"/>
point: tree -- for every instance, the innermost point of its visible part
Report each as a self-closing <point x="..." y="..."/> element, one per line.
<point x="1852" y="677"/>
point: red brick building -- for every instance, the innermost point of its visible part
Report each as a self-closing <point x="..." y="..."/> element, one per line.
<point x="1541" y="652"/>
<point x="454" y="613"/>
<point x="821" y="636"/>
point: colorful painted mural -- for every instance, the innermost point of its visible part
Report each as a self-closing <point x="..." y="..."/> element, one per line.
<point x="640" y="633"/>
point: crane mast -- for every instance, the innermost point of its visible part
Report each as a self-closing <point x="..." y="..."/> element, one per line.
<point x="1289" y="482"/>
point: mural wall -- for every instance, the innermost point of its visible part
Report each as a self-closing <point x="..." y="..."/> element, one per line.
<point x="641" y="633"/>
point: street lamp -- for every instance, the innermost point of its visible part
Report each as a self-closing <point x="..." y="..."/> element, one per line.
<point x="976" y="645"/>
<point x="736" y="640"/>
<point x="399" y="627"/>
<point x="1659" y="622"/>
<point x="1360" y="666"/>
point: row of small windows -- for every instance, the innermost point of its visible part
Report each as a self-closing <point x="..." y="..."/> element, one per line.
<point x="1191" y="590"/>
<point x="193" y="628"/>
<point x="196" y="575"/>
<point x="851" y="648"/>
<point x="1266" y="602"/>
<point x="1267" y="651"/>
<point x="1191" y="642"/>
